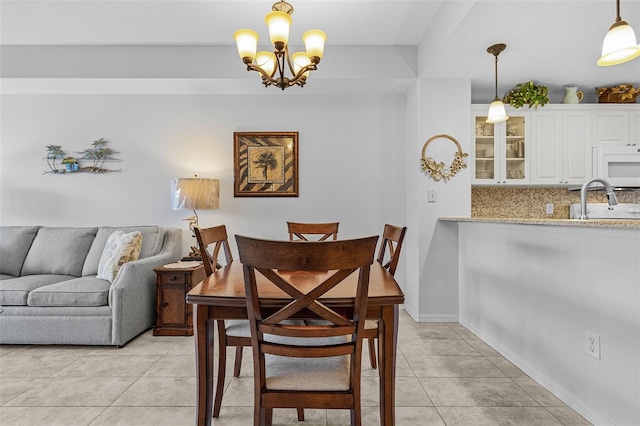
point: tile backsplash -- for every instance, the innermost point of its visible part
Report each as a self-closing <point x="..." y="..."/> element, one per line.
<point x="520" y="202"/>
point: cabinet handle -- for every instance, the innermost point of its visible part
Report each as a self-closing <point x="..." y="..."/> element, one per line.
<point x="173" y="278"/>
<point x="165" y="304"/>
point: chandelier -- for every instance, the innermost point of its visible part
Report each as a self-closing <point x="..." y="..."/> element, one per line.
<point x="273" y="66"/>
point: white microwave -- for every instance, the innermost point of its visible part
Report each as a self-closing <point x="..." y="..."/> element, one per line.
<point x="617" y="164"/>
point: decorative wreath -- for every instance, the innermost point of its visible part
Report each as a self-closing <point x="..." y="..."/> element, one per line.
<point x="439" y="171"/>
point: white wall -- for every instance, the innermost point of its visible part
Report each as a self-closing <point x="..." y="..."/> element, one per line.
<point x="442" y="108"/>
<point x="352" y="154"/>
<point x="532" y="292"/>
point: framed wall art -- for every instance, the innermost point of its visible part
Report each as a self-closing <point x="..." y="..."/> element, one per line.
<point x="265" y="164"/>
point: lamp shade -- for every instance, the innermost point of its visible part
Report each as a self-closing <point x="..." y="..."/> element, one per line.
<point x="266" y="60"/>
<point x="497" y="113"/>
<point x="300" y="60"/>
<point x="278" y="23"/>
<point x="314" y="43"/>
<point x="619" y="45"/>
<point x="195" y="194"/>
<point x="247" y="42"/>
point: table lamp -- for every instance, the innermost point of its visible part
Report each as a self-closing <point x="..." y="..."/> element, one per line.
<point x="194" y="194"/>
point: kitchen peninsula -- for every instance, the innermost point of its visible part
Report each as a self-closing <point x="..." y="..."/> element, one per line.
<point x="534" y="288"/>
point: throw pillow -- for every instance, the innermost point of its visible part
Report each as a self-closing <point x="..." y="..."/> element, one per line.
<point x="119" y="249"/>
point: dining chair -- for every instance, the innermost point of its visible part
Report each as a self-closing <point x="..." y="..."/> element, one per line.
<point x="388" y="256"/>
<point x="306" y="365"/>
<point x="230" y="332"/>
<point x="303" y="230"/>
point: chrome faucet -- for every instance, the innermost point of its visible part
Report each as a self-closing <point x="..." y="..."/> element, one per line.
<point x="583" y="196"/>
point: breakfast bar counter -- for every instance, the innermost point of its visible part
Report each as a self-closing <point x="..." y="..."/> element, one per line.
<point x="536" y="290"/>
<point x="589" y="223"/>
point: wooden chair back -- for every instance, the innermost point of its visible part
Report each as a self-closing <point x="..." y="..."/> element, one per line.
<point x="390" y="247"/>
<point x="276" y="330"/>
<point x="216" y="235"/>
<point x="303" y="230"/>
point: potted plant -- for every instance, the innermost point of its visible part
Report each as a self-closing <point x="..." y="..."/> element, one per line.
<point x="622" y="93"/>
<point x="527" y="93"/>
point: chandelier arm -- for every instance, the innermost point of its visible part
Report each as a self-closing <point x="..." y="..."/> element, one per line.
<point x="297" y="77"/>
<point x="251" y="67"/>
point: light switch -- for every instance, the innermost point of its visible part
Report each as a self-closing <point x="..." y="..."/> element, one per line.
<point x="431" y="196"/>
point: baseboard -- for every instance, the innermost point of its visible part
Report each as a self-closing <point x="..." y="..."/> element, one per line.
<point x="557" y="390"/>
<point x="431" y="318"/>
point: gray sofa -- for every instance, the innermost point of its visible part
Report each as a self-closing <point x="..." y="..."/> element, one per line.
<point x="49" y="292"/>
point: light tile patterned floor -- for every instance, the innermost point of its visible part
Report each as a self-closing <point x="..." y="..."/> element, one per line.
<point x="445" y="376"/>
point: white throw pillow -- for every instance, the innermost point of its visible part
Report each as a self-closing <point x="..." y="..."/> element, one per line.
<point x="119" y="249"/>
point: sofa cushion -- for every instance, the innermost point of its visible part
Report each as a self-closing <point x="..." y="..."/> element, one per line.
<point x="152" y="239"/>
<point x="59" y="251"/>
<point x="14" y="292"/>
<point x="84" y="291"/>
<point x="14" y="246"/>
<point x="120" y="249"/>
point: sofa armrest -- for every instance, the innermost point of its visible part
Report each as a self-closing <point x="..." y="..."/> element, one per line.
<point x="132" y="295"/>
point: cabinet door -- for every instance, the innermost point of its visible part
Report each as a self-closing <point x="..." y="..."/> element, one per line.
<point x="635" y="128"/>
<point x="546" y="150"/>
<point x="173" y="310"/>
<point x="514" y="143"/>
<point x="485" y="149"/>
<point x="576" y="147"/>
<point x="610" y="127"/>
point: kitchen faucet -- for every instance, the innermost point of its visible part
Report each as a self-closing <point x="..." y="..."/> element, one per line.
<point x="583" y="196"/>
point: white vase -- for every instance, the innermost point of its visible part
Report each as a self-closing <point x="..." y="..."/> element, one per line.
<point x="572" y="95"/>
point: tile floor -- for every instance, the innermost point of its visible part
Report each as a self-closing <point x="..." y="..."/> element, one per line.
<point x="445" y="376"/>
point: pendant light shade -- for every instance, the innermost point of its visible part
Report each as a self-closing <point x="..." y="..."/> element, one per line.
<point x="497" y="112"/>
<point x="620" y="44"/>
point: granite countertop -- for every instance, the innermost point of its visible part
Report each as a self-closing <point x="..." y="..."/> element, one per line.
<point x="590" y="223"/>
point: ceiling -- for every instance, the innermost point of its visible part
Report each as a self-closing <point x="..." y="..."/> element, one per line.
<point x="555" y="42"/>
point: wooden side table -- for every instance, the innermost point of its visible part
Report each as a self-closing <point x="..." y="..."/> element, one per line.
<point x="174" y="315"/>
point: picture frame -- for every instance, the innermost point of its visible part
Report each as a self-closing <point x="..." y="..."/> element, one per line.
<point x="265" y="164"/>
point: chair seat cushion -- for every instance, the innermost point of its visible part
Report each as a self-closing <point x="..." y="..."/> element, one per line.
<point x="307" y="374"/>
<point x="237" y="328"/>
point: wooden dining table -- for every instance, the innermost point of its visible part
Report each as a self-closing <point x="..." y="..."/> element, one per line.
<point x="222" y="296"/>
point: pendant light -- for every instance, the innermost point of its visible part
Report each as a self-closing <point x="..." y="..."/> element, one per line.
<point x="620" y="43"/>
<point x="497" y="112"/>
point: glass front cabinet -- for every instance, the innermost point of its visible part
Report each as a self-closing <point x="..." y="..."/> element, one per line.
<point x="501" y="150"/>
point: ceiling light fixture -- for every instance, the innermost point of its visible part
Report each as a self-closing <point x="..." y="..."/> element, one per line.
<point x="620" y="43"/>
<point x="497" y="112"/>
<point x="271" y="65"/>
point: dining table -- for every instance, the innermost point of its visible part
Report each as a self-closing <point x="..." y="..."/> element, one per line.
<point x="221" y="296"/>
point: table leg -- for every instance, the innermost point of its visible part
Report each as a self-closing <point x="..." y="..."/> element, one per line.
<point x="387" y="344"/>
<point x="204" y="338"/>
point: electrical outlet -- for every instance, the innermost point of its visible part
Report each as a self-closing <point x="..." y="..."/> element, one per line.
<point x="549" y="208"/>
<point x="592" y="344"/>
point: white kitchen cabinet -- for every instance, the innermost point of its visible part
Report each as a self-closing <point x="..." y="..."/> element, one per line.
<point x="500" y="151"/>
<point x="614" y="125"/>
<point x="560" y="147"/>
